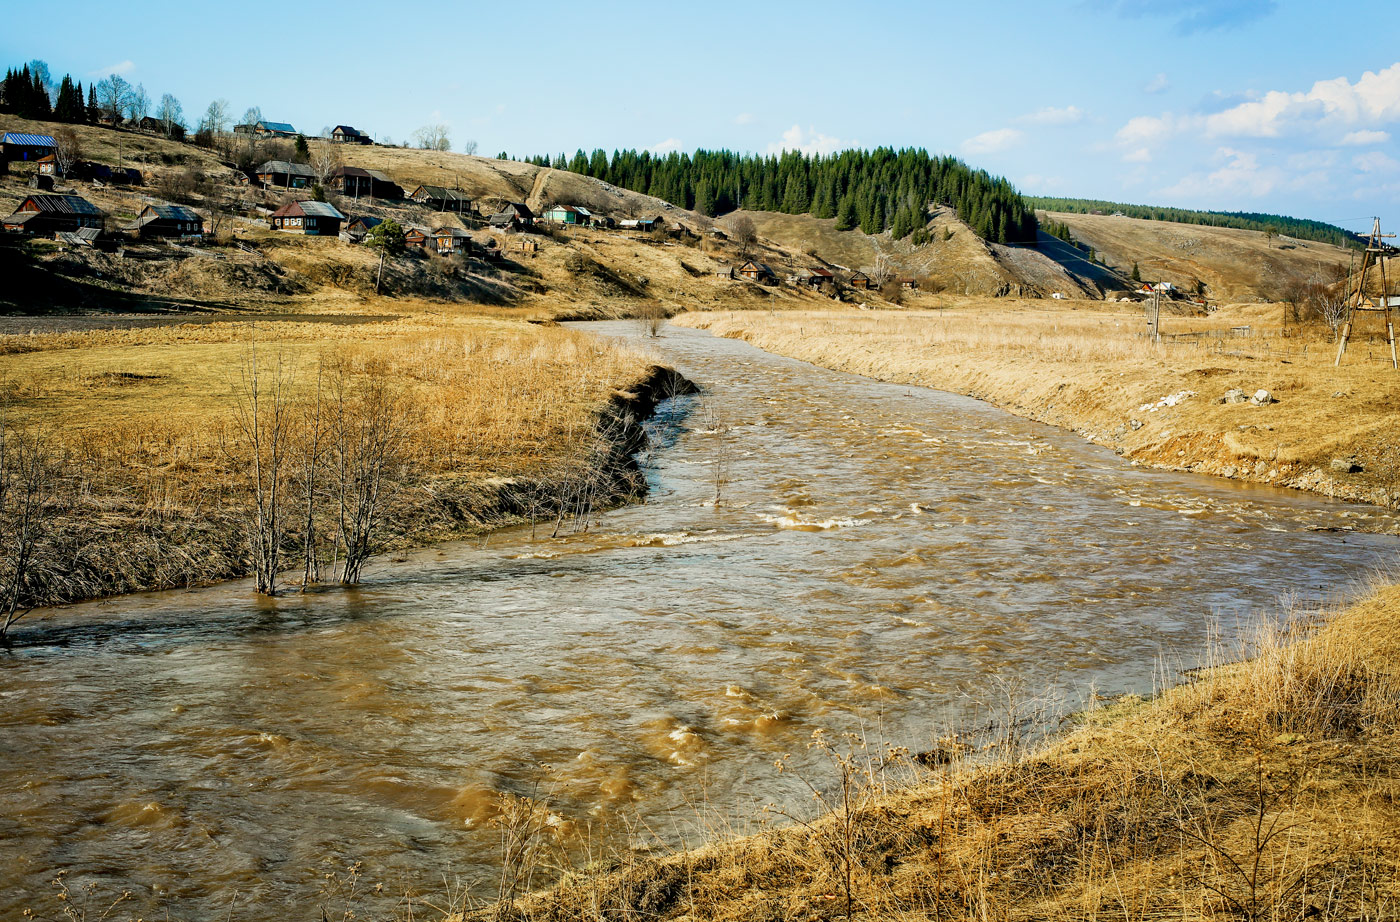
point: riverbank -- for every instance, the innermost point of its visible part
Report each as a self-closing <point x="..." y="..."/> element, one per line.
<point x="149" y="456"/>
<point x="1186" y="405"/>
<point x="1262" y="788"/>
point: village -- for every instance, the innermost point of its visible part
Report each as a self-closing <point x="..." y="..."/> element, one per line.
<point x="317" y="195"/>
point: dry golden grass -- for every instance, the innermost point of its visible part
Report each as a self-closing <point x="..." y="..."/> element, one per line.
<point x="1235" y="264"/>
<point x="502" y="414"/>
<point x="1086" y="366"/>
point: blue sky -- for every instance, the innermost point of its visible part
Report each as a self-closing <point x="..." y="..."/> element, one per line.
<point x="1269" y="105"/>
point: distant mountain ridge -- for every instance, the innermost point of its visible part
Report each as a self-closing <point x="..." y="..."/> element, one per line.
<point x="1301" y="228"/>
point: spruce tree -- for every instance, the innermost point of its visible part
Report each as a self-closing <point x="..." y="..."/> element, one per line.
<point x="846" y="217"/>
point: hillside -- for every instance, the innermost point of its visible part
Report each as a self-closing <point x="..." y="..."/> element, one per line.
<point x="1302" y="228"/>
<point x="955" y="261"/>
<point x="1234" y="264"/>
<point x="250" y="267"/>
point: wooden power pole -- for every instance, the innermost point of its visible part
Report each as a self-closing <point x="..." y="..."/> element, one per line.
<point x="1376" y="253"/>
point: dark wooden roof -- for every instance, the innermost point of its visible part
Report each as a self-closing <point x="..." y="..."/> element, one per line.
<point x="60" y="204"/>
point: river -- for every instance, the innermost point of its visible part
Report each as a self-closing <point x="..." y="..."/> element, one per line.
<point x="882" y="560"/>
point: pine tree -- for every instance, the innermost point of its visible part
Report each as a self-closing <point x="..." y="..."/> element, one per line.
<point x="846" y="218"/>
<point x="1136" y="276"/>
<point x="92" y="111"/>
<point x="704" y="198"/>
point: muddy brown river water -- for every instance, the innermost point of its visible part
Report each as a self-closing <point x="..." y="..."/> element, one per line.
<point x="884" y="559"/>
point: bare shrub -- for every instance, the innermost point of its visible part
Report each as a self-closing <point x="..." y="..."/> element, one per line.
<point x="28" y="475"/>
<point x="651" y="317"/>
<point x="368" y="428"/>
<point x="260" y="452"/>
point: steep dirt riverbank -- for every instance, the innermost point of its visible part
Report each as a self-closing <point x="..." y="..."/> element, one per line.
<point x="1193" y="408"/>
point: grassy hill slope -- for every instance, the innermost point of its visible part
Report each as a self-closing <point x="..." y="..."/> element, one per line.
<point x="1235" y="265"/>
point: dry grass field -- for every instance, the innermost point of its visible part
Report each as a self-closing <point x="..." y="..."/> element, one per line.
<point x="499" y="422"/>
<point x="1236" y="265"/>
<point x="1086" y="366"/>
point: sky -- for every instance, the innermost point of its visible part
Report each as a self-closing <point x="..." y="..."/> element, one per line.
<point x="1282" y="106"/>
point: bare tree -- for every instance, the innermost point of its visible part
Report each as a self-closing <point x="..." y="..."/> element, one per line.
<point x="252" y="115"/>
<point x="742" y="229"/>
<point x="138" y="106"/>
<point x="310" y="457"/>
<point x="171" y="114"/>
<point x="113" y="97"/>
<point x="433" y="137"/>
<point x="27" y="477"/>
<point x="67" y="150"/>
<point x="263" y="418"/>
<point x="469" y="147"/>
<point x="369" y="424"/>
<point x="40" y="69"/>
<point x="325" y="160"/>
<point x="215" y="119"/>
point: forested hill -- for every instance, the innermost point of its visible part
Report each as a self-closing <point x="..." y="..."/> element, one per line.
<point x="1301" y="228"/>
<point x="876" y="190"/>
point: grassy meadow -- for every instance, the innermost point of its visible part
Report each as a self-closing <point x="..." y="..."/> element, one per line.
<point x="144" y="432"/>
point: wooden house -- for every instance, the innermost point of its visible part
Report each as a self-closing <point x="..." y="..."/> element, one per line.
<point x="314" y="219"/>
<point x="441" y="199"/>
<point x="416" y="236"/>
<point x="567" y="214"/>
<point x="344" y="134"/>
<point x="449" y="240"/>
<point x="45" y="215"/>
<point x="861" y="281"/>
<point x="356" y="229"/>
<point x="285" y="174"/>
<point x="908" y="284"/>
<point x="815" y="278"/>
<point x="275" y="130"/>
<point x="166" y="221"/>
<point x="48" y="166"/>
<point x="603" y="221"/>
<point x="381" y="186"/>
<point x="522" y="212"/>
<point x="513" y="215"/>
<point x="111" y="175"/>
<point x="19" y="146"/>
<point x="351" y="181"/>
<point x="758" y="272"/>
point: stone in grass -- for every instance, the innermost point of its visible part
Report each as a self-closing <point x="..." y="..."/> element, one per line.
<point x="1234" y="395"/>
<point x="1261" y="398"/>
<point x="1348" y="465"/>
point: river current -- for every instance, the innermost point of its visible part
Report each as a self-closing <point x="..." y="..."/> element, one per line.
<point x="882" y="560"/>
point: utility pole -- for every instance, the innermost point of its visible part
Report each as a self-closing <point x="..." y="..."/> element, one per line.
<point x="1377" y="252"/>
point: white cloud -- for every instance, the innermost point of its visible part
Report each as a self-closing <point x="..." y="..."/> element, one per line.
<point x="1050" y="115"/>
<point x="990" y="142"/>
<point x="1158" y="84"/>
<point x="1374" y="98"/>
<point x="1138" y="155"/>
<point x="1376" y="162"/>
<point x="1147" y="129"/>
<point x="1240" y="175"/>
<point x="744" y="118"/>
<point x="1330" y="104"/>
<point x="121" y="68"/>
<point x="1362" y="138"/>
<point x="666" y="146"/>
<point x="1039" y="183"/>
<point x="810" y="141"/>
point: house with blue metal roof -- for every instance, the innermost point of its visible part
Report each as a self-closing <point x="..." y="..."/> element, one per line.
<point x="19" y="146"/>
